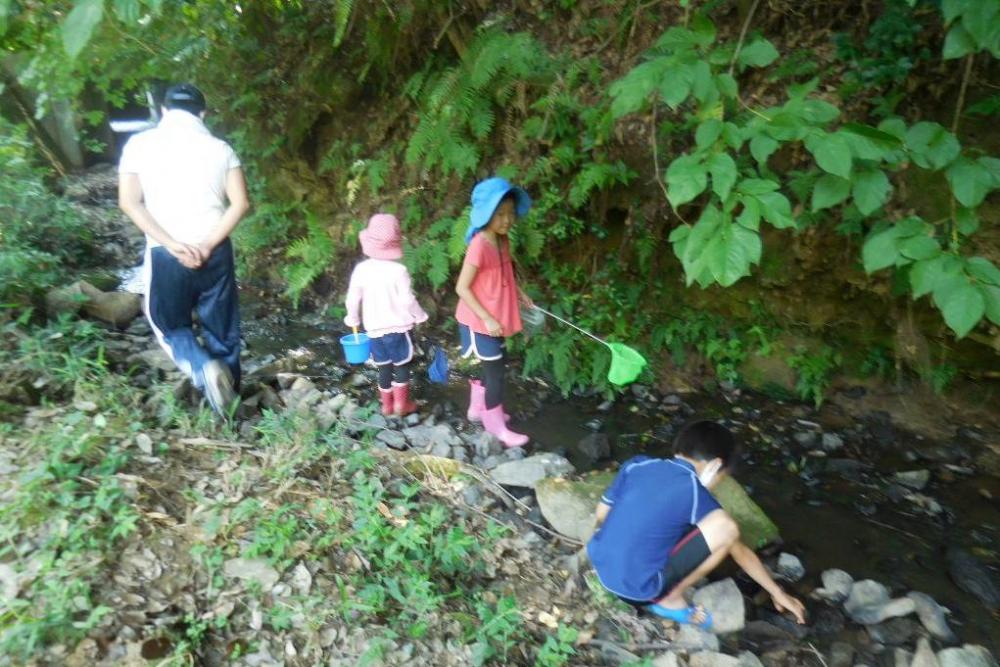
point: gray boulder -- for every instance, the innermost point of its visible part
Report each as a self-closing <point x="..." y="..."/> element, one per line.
<point x="724" y="601"/>
<point x="836" y="586"/>
<point x="531" y="470"/>
<point x="668" y="659"/>
<point x="693" y="639"/>
<point x="869" y="603"/>
<point x="423" y="437"/>
<point x="568" y="505"/>
<point x="748" y="659"/>
<point x="391" y="438"/>
<point x="967" y="656"/>
<point x="924" y="657"/>
<point x="713" y="659"/>
<point x="932" y="616"/>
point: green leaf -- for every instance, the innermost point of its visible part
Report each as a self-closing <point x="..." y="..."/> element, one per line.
<point x="727" y="85"/>
<point x="676" y="86"/>
<point x="868" y="143"/>
<point x="980" y="20"/>
<point x="953" y="8"/>
<point x="970" y="182"/>
<point x="931" y="145"/>
<point x="927" y="275"/>
<point x="762" y="147"/>
<point x="686" y="179"/>
<point x="702" y="30"/>
<point x="127" y="10"/>
<point x="723" y="170"/>
<point x="870" y="189"/>
<point x="759" y="53"/>
<point x="957" y="43"/>
<point x="819" y="112"/>
<point x="79" y="25"/>
<point x="757" y="186"/>
<point x="630" y="93"/>
<point x="983" y="270"/>
<point x="991" y="298"/>
<point x="703" y="85"/>
<point x="966" y="221"/>
<point x="707" y="133"/>
<point x="919" y="248"/>
<point x="992" y="165"/>
<point x="829" y="191"/>
<point x="776" y="209"/>
<point x="749" y="217"/>
<point x="893" y="127"/>
<point x="880" y="250"/>
<point x="732" y="135"/>
<point x="832" y="153"/>
<point x="962" y="305"/>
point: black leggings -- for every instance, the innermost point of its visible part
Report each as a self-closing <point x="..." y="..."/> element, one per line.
<point x="493" y="381"/>
<point x="388" y="373"/>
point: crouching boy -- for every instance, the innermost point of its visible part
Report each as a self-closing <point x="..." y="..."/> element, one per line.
<point x="660" y="530"/>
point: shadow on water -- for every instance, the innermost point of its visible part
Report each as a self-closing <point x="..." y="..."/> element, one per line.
<point x="831" y="516"/>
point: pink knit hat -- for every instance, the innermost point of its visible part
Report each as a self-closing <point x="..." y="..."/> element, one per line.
<point x="382" y="239"/>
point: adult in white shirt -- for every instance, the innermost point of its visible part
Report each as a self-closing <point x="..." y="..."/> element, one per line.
<point x="174" y="183"/>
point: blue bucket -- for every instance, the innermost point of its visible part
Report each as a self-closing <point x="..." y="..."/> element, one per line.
<point x="356" y="348"/>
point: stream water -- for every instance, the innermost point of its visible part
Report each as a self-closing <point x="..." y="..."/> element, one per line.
<point x="837" y="510"/>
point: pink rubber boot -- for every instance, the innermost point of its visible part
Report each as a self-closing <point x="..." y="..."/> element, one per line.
<point x="402" y="404"/>
<point x="493" y="422"/>
<point x="385" y="396"/>
<point x="477" y="402"/>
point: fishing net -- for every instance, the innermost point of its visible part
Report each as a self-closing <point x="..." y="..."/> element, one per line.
<point x="626" y="364"/>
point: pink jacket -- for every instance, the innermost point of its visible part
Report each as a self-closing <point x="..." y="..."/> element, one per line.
<point x="380" y="288"/>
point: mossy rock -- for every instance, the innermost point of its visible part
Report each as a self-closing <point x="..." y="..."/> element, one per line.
<point x="756" y="528"/>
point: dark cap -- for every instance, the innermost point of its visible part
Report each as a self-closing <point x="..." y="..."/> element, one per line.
<point x="184" y="96"/>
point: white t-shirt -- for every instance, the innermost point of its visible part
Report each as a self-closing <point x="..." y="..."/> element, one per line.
<point x="182" y="169"/>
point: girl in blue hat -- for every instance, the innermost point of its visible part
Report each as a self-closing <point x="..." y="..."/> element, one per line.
<point x="489" y="300"/>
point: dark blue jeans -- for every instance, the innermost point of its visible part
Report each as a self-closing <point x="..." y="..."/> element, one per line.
<point x="174" y="291"/>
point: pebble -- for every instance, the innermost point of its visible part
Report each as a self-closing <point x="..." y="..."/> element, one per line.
<point x="692" y="638"/>
<point x="393" y="439"/>
<point x="932" y="616"/>
<point x="144" y="443"/>
<point x="869" y="603"/>
<point x="913" y="479"/>
<point x="831" y="442"/>
<point x="836" y="585"/>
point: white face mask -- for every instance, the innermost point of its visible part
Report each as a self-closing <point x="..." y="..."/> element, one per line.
<point x="709" y="473"/>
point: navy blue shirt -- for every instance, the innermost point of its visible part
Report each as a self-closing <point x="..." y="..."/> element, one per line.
<point x="654" y="503"/>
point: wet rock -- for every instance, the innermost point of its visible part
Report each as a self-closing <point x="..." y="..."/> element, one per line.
<point x="806" y="439"/>
<point x="790" y="567"/>
<point x="756" y="528"/>
<point x="988" y="459"/>
<point x="531" y="470"/>
<point x="391" y="438"/>
<point x="924" y="656"/>
<point x="831" y="442"/>
<point x="869" y="603"/>
<point x="515" y="453"/>
<point x="913" y="479"/>
<point x="424" y="437"/>
<point x="459" y="454"/>
<point x="472" y="495"/>
<point x="967" y="656"/>
<point x="358" y="380"/>
<point x="302" y="579"/>
<point x="725" y="602"/>
<point x="252" y="569"/>
<point x="841" y="655"/>
<point x="594" y="425"/>
<point x="826" y="622"/>
<point x="784" y="623"/>
<point x="693" y="639"/>
<point x="302" y="395"/>
<point x="836" y="586"/>
<point x="894" y="632"/>
<point x="486" y="444"/>
<point x="932" y="616"/>
<point x="569" y="506"/>
<point x="412" y="419"/>
<point x="491" y="462"/>
<point x="748" y="659"/>
<point x="667" y="659"/>
<point x="595" y="447"/>
<point x="606" y="406"/>
<point x="973" y="577"/>
<point x="713" y="659"/>
<point x="762" y="632"/>
<point x="442" y="449"/>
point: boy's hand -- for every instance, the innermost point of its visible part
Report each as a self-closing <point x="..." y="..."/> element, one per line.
<point x="785" y="602"/>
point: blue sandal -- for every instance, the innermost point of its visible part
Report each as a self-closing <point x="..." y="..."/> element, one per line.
<point x="681" y="615"/>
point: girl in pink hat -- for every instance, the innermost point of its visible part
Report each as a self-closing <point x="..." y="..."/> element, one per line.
<point x="380" y="289"/>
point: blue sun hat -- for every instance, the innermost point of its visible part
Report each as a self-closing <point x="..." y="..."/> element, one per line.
<point x="486" y="197"/>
